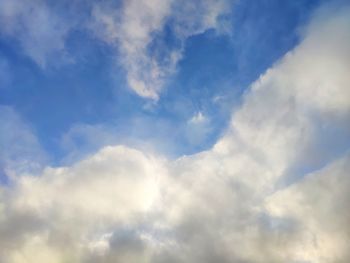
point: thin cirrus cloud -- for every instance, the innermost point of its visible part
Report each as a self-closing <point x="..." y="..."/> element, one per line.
<point x="226" y="204"/>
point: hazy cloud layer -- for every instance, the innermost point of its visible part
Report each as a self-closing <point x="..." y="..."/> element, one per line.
<point x="248" y="199"/>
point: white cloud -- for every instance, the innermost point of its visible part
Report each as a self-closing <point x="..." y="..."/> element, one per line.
<point x="138" y="24"/>
<point x="198" y="118"/>
<point x="222" y="205"/>
<point x="130" y="27"/>
<point x="319" y="206"/>
<point x="114" y="187"/>
<point x="131" y="30"/>
<point x="39" y="30"/>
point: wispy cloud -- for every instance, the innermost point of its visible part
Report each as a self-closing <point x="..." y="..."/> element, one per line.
<point x="131" y="28"/>
<point x="138" y="24"/>
<point x="40" y="31"/>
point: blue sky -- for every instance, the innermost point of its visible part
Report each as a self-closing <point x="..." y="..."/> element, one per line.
<point x="174" y="131"/>
<point x="85" y="83"/>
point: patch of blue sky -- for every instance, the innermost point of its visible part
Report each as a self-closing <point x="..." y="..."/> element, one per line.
<point x="213" y="73"/>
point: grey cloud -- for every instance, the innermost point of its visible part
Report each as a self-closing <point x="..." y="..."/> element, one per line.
<point x="319" y="206"/>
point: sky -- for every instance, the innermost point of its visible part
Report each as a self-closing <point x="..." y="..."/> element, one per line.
<point x="151" y="131"/>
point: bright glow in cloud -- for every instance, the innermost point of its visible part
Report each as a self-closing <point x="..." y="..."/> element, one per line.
<point x="228" y="204"/>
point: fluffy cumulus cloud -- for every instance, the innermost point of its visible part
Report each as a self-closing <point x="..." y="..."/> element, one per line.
<point x="251" y="198"/>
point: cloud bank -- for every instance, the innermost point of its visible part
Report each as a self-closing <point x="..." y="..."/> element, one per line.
<point x="274" y="188"/>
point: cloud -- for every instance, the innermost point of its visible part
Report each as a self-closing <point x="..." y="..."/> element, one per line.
<point x="318" y="206"/>
<point x="115" y="187"/>
<point x="135" y="29"/>
<point x="138" y="25"/>
<point x="40" y="31"/>
<point x="198" y="118"/>
<point x="226" y="204"/>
